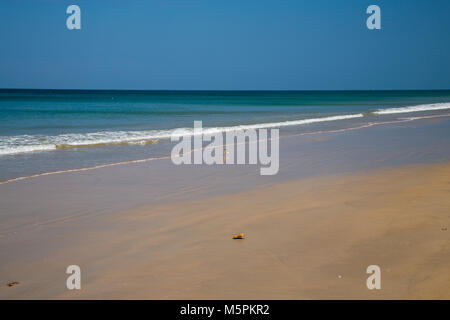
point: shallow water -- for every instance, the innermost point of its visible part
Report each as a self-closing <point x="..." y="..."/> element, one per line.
<point x="44" y="131"/>
<point x="34" y="202"/>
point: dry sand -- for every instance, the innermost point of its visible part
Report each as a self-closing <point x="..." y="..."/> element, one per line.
<point x="307" y="239"/>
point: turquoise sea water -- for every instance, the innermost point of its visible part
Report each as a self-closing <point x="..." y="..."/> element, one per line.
<point x="44" y="130"/>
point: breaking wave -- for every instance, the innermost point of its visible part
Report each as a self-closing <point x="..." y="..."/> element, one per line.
<point x="422" y="107"/>
<point x="33" y="143"/>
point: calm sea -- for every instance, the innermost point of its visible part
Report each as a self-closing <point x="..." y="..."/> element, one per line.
<point x="45" y="130"/>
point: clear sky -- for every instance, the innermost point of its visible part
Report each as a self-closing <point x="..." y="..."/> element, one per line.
<point x="225" y="45"/>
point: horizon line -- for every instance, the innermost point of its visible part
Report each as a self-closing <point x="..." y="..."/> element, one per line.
<point x="217" y="90"/>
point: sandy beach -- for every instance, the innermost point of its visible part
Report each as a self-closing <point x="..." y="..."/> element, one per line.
<point x="306" y="239"/>
<point x="247" y="151"/>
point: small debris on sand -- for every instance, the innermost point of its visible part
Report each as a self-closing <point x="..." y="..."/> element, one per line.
<point x="238" y="236"/>
<point x="12" y="284"/>
<point x="444" y="229"/>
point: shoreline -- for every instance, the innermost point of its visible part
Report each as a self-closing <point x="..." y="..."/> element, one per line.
<point x="306" y="239"/>
<point x="106" y="165"/>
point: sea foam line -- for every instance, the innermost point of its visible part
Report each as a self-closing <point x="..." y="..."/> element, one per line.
<point x="367" y="125"/>
<point x="27" y="143"/>
<point x="10" y="145"/>
<point x="422" y="107"/>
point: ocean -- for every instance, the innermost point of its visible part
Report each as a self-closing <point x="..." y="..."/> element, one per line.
<point x="50" y="130"/>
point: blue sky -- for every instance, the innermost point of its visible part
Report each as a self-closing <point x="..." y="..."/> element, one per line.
<point x="225" y="45"/>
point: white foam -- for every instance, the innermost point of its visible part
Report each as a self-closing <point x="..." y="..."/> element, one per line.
<point x="32" y="143"/>
<point x="422" y="107"/>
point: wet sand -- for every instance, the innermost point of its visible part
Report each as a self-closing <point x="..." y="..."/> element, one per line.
<point x="311" y="238"/>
